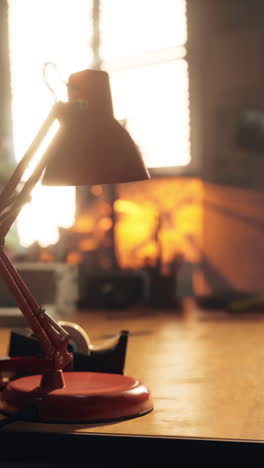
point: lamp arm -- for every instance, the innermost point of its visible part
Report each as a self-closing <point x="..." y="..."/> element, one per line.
<point x="53" y="338"/>
<point x="23" y="163"/>
<point x="24" y="305"/>
<point x="50" y="334"/>
<point x="23" y="197"/>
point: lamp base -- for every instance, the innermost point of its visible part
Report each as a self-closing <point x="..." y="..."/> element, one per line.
<point x="90" y="397"/>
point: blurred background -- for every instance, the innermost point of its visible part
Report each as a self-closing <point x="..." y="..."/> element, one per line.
<point x="186" y="79"/>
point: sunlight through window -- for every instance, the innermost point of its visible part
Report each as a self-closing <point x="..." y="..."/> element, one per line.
<point x="143" y="49"/>
<point x="141" y="43"/>
<point x="57" y="31"/>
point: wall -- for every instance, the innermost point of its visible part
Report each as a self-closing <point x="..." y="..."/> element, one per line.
<point x="227" y="70"/>
<point x="233" y="248"/>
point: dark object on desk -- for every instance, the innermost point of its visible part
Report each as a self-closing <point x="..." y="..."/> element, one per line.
<point x="252" y="304"/>
<point x="111" y="290"/>
<point x="233" y="302"/>
<point x="162" y="291"/>
<point x="221" y="300"/>
<point x="107" y="359"/>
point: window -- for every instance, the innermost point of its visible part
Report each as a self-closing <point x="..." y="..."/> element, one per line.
<point x="142" y="47"/>
<point x="141" y="43"/>
<point x="42" y="31"/>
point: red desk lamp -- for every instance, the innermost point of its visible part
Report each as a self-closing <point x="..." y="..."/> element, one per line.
<point x="90" y="147"/>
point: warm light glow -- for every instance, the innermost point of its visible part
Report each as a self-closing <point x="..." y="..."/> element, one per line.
<point x="96" y="190"/>
<point x="143" y="49"/>
<point x="162" y="217"/>
<point x="84" y="224"/>
<point x="42" y="31"/>
<point x="87" y="244"/>
<point x="157" y="222"/>
<point x="105" y="224"/>
<point x="126" y="206"/>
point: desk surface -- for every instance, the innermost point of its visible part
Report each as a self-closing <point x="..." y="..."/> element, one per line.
<point x="205" y="373"/>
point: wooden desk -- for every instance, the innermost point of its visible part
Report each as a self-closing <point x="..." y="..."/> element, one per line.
<point x="206" y="376"/>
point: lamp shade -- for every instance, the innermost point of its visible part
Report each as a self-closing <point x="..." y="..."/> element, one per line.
<point x="91" y="146"/>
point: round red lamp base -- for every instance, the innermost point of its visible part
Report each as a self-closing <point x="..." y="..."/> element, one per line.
<point x="90" y="397"/>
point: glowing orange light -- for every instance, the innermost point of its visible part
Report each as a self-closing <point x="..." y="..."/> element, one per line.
<point x="162" y="214"/>
<point x="87" y="244"/>
<point x="74" y="258"/>
<point x="46" y="257"/>
<point x="84" y="224"/>
<point x="96" y="190"/>
<point x="105" y="224"/>
<point x="126" y="206"/>
<point x="105" y="208"/>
